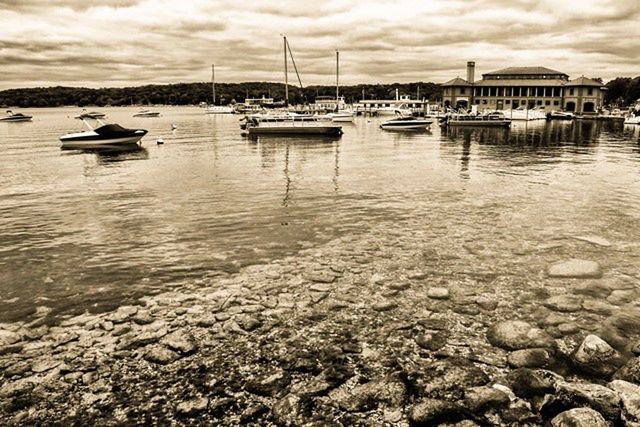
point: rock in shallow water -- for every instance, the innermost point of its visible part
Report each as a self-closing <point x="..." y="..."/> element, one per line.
<point x="192" y="407"/>
<point x="430" y="412"/>
<point x="575" y="268"/>
<point x="579" y="417"/>
<point x="438" y="293"/>
<point x="448" y="378"/>
<point x="602" y="399"/>
<point x="529" y="358"/>
<point x="160" y="355"/>
<point x="597" y="357"/>
<point x="518" y="335"/>
<point x="564" y="303"/>
<point x="630" y="396"/>
<point x="630" y="371"/>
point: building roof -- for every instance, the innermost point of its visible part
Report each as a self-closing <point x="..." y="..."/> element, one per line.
<point x="457" y="82"/>
<point x="521" y="82"/>
<point x="584" y="81"/>
<point x="523" y="71"/>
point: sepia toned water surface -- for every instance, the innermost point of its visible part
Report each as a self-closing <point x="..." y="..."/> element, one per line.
<point x="95" y="230"/>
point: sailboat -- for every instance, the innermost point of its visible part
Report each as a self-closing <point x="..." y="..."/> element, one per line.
<point x="340" y="114"/>
<point x="213" y="108"/>
<point x="289" y="124"/>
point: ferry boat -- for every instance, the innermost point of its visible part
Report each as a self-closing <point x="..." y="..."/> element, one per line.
<point x="492" y="119"/>
<point x="15" y="117"/>
<point x="406" y="123"/>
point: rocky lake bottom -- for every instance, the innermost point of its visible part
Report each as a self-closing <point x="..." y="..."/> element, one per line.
<point x="384" y="328"/>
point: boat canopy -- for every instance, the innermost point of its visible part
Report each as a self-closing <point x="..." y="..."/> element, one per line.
<point x="113" y="130"/>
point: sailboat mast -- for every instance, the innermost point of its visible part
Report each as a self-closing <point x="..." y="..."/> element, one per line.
<point x="213" y="83"/>
<point x="337" y="74"/>
<point x="286" y="76"/>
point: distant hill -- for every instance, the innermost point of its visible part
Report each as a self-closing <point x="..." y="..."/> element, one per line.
<point x="195" y="93"/>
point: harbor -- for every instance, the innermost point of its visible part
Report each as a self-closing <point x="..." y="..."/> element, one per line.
<point x="229" y="280"/>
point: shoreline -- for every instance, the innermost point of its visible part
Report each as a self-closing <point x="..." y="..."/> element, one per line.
<point x="375" y="330"/>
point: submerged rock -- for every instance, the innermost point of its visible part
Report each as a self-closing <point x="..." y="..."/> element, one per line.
<point x="517" y="335"/>
<point x="630" y="371"/>
<point x="389" y="391"/>
<point x="430" y="412"/>
<point x="482" y="398"/>
<point x="564" y="303"/>
<point x="438" y="293"/>
<point x="160" y="355"/>
<point x="597" y="357"/>
<point x="595" y="240"/>
<point x="269" y="384"/>
<point x="602" y="399"/>
<point x="192" y="407"/>
<point x="529" y="358"/>
<point x="448" y="378"/>
<point x="630" y="396"/>
<point x="579" y="417"/>
<point x="527" y="382"/>
<point x="180" y="341"/>
<point x="575" y="268"/>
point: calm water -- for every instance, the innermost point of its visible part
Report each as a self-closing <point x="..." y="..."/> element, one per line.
<point x="93" y="230"/>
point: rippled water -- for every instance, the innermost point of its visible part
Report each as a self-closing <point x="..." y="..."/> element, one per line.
<point x="91" y="230"/>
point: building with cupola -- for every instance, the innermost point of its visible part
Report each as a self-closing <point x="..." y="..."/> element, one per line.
<point x="528" y="87"/>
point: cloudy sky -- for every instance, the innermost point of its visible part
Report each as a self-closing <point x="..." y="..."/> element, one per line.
<point x="132" y="42"/>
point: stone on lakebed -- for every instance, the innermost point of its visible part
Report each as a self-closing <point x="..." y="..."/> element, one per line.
<point x="575" y="268"/>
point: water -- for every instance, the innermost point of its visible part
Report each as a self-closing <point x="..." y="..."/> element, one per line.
<point x="94" y="230"/>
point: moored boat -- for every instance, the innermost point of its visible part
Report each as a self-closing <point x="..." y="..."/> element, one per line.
<point x="406" y="123"/>
<point x="15" y="117"/>
<point x="493" y="119"/>
<point x="107" y="135"/>
<point x="219" y="109"/>
<point x="290" y="126"/>
<point x="560" y="115"/>
<point x="147" y="113"/>
<point x="90" y="115"/>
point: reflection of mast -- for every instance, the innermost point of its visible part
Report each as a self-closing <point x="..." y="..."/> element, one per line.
<point x="336" y="168"/>
<point x="466" y="154"/>
<point x="287" y="179"/>
<point x="213" y="83"/>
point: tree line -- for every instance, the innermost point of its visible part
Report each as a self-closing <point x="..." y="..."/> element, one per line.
<point x="196" y="93"/>
<point x="622" y="91"/>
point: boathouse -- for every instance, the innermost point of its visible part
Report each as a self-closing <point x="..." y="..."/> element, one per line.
<point x="530" y="87"/>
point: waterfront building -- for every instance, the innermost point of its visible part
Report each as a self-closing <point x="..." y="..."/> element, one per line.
<point x="528" y="87"/>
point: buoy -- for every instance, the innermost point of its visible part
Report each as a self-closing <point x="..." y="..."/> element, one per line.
<point x="160" y="141"/>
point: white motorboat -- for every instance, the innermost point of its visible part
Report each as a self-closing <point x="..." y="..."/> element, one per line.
<point x="289" y="125"/>
<point x="219" y="109"/>
<point x="406" y="123"/>
<point x="392" y="111"/>
<point x="147" y="113"/>
<point x="107" y="135"/>
<point x="632" y="120"/>
<point x="90" y="115"/>
<point x="15" y="117"/>
<point x="522" y="113"/>
<point x="560" y="115"/>
<point x="490" y="119"/>
<point x="341" y="116"/>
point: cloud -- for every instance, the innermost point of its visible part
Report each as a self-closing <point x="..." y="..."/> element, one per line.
<point x="131" y="42"/>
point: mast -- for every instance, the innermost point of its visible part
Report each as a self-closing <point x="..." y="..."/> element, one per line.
<point x="286" y="78"/>
<point x="337" y="74"/>
<point x="213" y="83"/>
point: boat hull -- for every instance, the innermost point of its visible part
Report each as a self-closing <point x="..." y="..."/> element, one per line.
<point x="146" y="115"/>
<point x="92" y="143"/>
<point x="632" y="121"/>
<point x="412" y="126"/>
<point x="17" y="119"/>
<point x="295" y="131"/>
<point x="471" y="123"/>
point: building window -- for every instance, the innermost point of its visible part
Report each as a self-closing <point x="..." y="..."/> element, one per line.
<point x="508" y="101"/>
<point x="570" y="91"/>
<point x="590" y="92"/>
<point x="547" y="102"/>
<point x="484" y="101"/>
<point x="477" y="102"/>
<point x="539" y="102"/>
<point x="462" y="91"/>
<point x="501" y="91"/>
<point x="556" y="102"/>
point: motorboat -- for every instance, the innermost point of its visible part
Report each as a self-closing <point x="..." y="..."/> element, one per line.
<point x="147" y="113"/>
<point x="341" y="116"/>
<point x="491" y="119"/>
<point x="106" y="135"/>
<point x="15" y="117"/>
<point x="632" y="120"/>
<point x="406" y="123"/>
<point x="560" y="115"/>
<point x="392" y="111"/>
<point x="90" y="115"/>
<point x="522" y="113"/>
<point x="219" y="109"/>
<point x="289" y="125"/>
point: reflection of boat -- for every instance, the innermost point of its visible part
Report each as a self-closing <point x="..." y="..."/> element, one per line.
<point x="406" y="123"/>
<point x="493" y="119"/>
<point x="290" y="125"/>
<point x="634" y="117"/>
<point x="90" y="115"/>
<point x="107" y="135"/>
<point x="15" y="117"/>
<point x="146" y="113"/>
<point x="560" y="115"/>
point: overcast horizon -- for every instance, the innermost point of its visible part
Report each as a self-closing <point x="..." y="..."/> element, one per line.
<point x="139" y="42"/>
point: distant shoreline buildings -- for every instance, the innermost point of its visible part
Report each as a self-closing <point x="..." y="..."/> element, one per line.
<point x="528" y="87"/>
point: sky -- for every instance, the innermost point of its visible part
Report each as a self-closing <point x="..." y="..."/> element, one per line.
<point x="112" y="43"/>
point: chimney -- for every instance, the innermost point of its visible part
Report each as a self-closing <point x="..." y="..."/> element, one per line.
<point x="471" y="69"/>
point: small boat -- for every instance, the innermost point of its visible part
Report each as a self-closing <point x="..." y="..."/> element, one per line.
<point x="107" y="135"/>
<point x="632" y="120"/>
<point x="560" y="115"/>
<point x="523" y="113"/>
<point x="146" y="113"/>
<point x="493" y="119"/>
<point x="343" y="116"/>
<point x="406" y="123"/>
<point x="15" y="117"/>
<point x="90" y="115"/>
<point x="219" y="109"/>
<point x="289" y="126"/>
